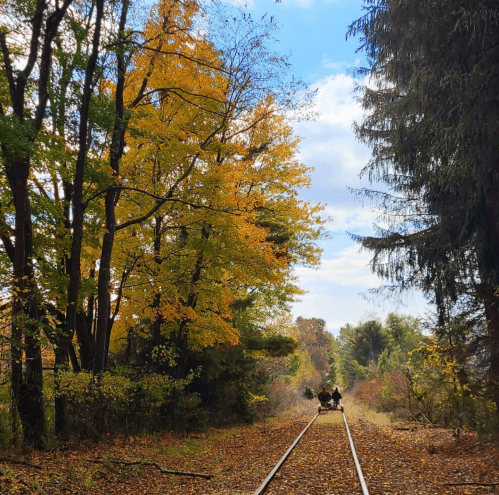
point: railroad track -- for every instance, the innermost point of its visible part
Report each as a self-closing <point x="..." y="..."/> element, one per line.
<point x="329" y="450"/>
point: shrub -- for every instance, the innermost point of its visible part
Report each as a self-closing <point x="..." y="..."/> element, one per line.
<point x="113" y="403"/>
<point x="188" y="415"/>
<point x="308" y="392"/>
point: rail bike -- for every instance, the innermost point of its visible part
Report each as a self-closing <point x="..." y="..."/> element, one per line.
<point x="330" y="405"/>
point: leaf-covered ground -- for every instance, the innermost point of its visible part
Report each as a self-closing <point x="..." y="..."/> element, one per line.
<point x="395" y="461"/>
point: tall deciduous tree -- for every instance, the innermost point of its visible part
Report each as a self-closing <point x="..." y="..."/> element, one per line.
<point x="212" y="162"/>
<point x="22" y="110"/>
<point x="314" y="337"/>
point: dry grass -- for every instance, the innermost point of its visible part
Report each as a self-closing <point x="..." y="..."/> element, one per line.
<point x="284" y="402"/>
<point x="354" y="409"/>
<point x="330" y="417"/>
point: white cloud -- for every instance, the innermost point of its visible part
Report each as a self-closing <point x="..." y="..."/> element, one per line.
<point x="336" y="100"/>
<point x="341" y="66"/>
<point x="329" y="143"/>
<point x="350" y="218"/>
<point x="240" y="3"/>
<point x="305" y="3"/>
<point x="337" y="309"/>
<point x="339" y="305"/>
<point x="349" y="268"/>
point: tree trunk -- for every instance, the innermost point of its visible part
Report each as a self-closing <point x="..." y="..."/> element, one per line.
<point x="27" y="387"/>
<point x="60" y="401"/>
<point x="488" y="262"/>
<point x="494" y="357"/>
<point x="103" y="286"/>
<point x="78" y="206"/>
<point x="490" y="298"/>
<point x="102" y="336"/>
<point x="84" y="324"/>
<point x="158" y="318"/>
<point x="181" y="338"/>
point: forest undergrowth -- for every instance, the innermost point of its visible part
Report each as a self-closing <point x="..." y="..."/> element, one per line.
<point x="397" y="458"/>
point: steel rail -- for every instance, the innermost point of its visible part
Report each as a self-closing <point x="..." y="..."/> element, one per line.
<point x="356" y="460"/>
<point x="261" y="489"/>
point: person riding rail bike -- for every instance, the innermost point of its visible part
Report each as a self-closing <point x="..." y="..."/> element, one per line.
<point x="336" y="396"/>
<point x="324" y="397"/>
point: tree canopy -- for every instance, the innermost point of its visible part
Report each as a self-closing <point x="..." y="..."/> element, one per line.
<point x="432" y="107"/>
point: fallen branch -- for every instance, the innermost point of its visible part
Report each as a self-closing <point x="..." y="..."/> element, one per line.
<point x="147" y="463"/>
<point x="429" y="422"/>
<point x="418" y="415"/>
<point x="438" y="434"/>
<point x="11" y="460"/>
<point x="475" y="483"/>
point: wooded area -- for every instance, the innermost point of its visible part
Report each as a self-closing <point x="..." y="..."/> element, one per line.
<point x="150" y="218"/>
<point x="148" y="204"/>
<point x="432" y="103"/>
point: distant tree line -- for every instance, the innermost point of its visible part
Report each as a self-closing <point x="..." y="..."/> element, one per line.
<point x="393" y="366"/>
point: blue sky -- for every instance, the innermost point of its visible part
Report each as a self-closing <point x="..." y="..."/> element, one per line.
<point x="313" y="35"/>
